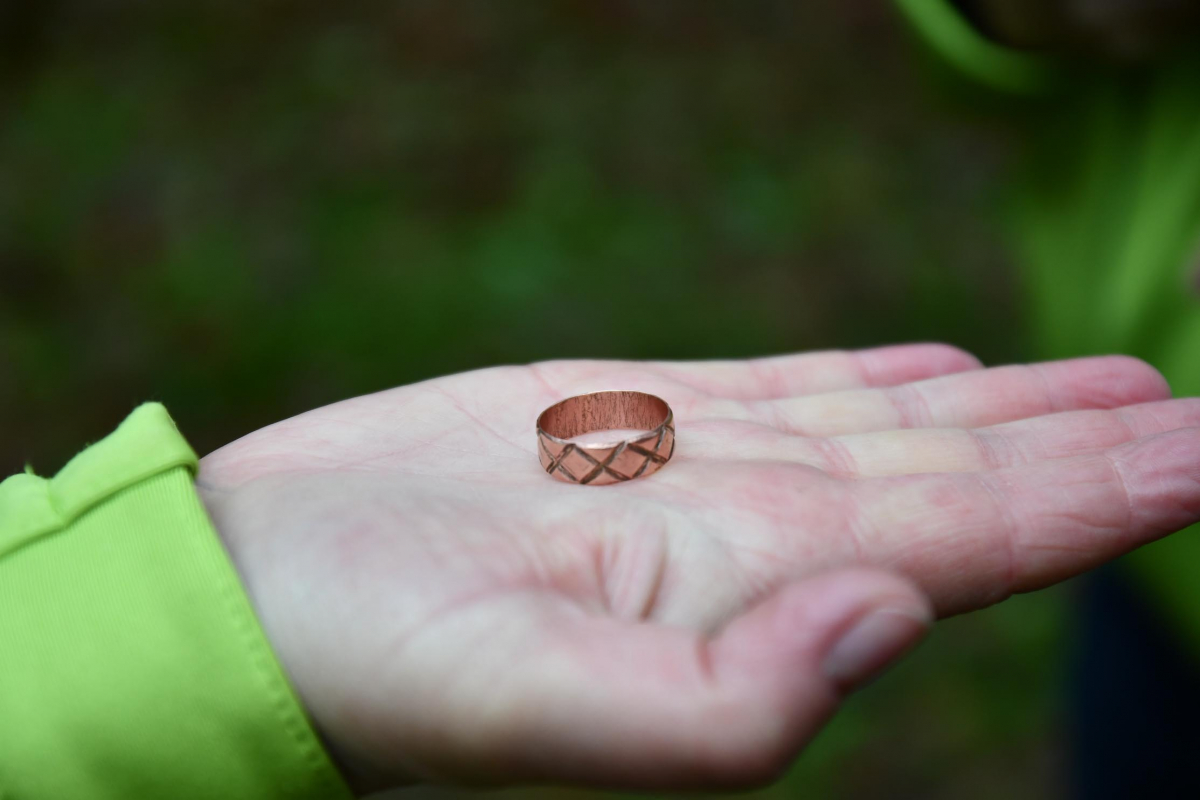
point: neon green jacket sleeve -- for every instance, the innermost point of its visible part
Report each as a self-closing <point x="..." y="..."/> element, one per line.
<point x="131" y="662"/>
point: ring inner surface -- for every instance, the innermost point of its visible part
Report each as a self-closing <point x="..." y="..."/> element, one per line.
<point x="603" y="411"/>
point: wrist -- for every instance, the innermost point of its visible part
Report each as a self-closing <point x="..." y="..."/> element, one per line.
<point x="240" y="516"/>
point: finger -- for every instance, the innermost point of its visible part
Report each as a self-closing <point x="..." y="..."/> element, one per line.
<point x="908" y="452"/>
<point x="969" y="400"/>
<point x="765" y="378"/>
<point x="972" y="539"/>
<point x="637" y="705"/>
<point x="814" y="373"/>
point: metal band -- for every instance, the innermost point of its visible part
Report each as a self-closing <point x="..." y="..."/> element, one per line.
<point x="595" y="464"/>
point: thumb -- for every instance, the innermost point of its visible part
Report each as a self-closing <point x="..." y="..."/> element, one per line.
<point x="640" y="705"/>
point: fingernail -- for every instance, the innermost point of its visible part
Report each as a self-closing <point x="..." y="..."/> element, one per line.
<point x="873" y="642"/>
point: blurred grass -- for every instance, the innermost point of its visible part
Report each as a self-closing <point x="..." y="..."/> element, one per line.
<point x="247" y="210"/>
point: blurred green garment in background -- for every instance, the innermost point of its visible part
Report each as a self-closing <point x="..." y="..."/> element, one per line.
<point x="1106" y="222"/>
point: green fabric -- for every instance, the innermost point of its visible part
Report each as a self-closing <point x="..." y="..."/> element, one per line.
<point x="953" y="38"/>
<point x="131" y="662"/>
<point x="1106" y="219"/>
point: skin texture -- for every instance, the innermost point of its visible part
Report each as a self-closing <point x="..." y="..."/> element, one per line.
<point x="449" y="612"/>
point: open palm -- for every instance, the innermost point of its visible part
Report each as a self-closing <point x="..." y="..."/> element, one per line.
<point x="447" y="611"/>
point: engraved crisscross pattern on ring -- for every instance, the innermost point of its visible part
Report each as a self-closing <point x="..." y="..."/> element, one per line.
<point x="609" y="463"/>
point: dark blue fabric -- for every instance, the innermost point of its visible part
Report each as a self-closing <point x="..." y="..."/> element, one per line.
<point x="1134" y="714"/>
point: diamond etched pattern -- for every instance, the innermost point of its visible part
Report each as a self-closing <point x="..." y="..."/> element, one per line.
<point x="596" y="466"/>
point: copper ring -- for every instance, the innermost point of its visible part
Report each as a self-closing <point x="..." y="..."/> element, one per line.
<point x="598" y="463"/>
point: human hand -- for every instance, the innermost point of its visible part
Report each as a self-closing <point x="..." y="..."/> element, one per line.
<point x="449" y="612"/>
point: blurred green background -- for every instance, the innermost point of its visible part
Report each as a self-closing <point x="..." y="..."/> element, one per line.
<point x="246" y="210"/>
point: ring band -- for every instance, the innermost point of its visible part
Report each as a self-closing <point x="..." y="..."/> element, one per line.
<point x="607" y="462"/>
